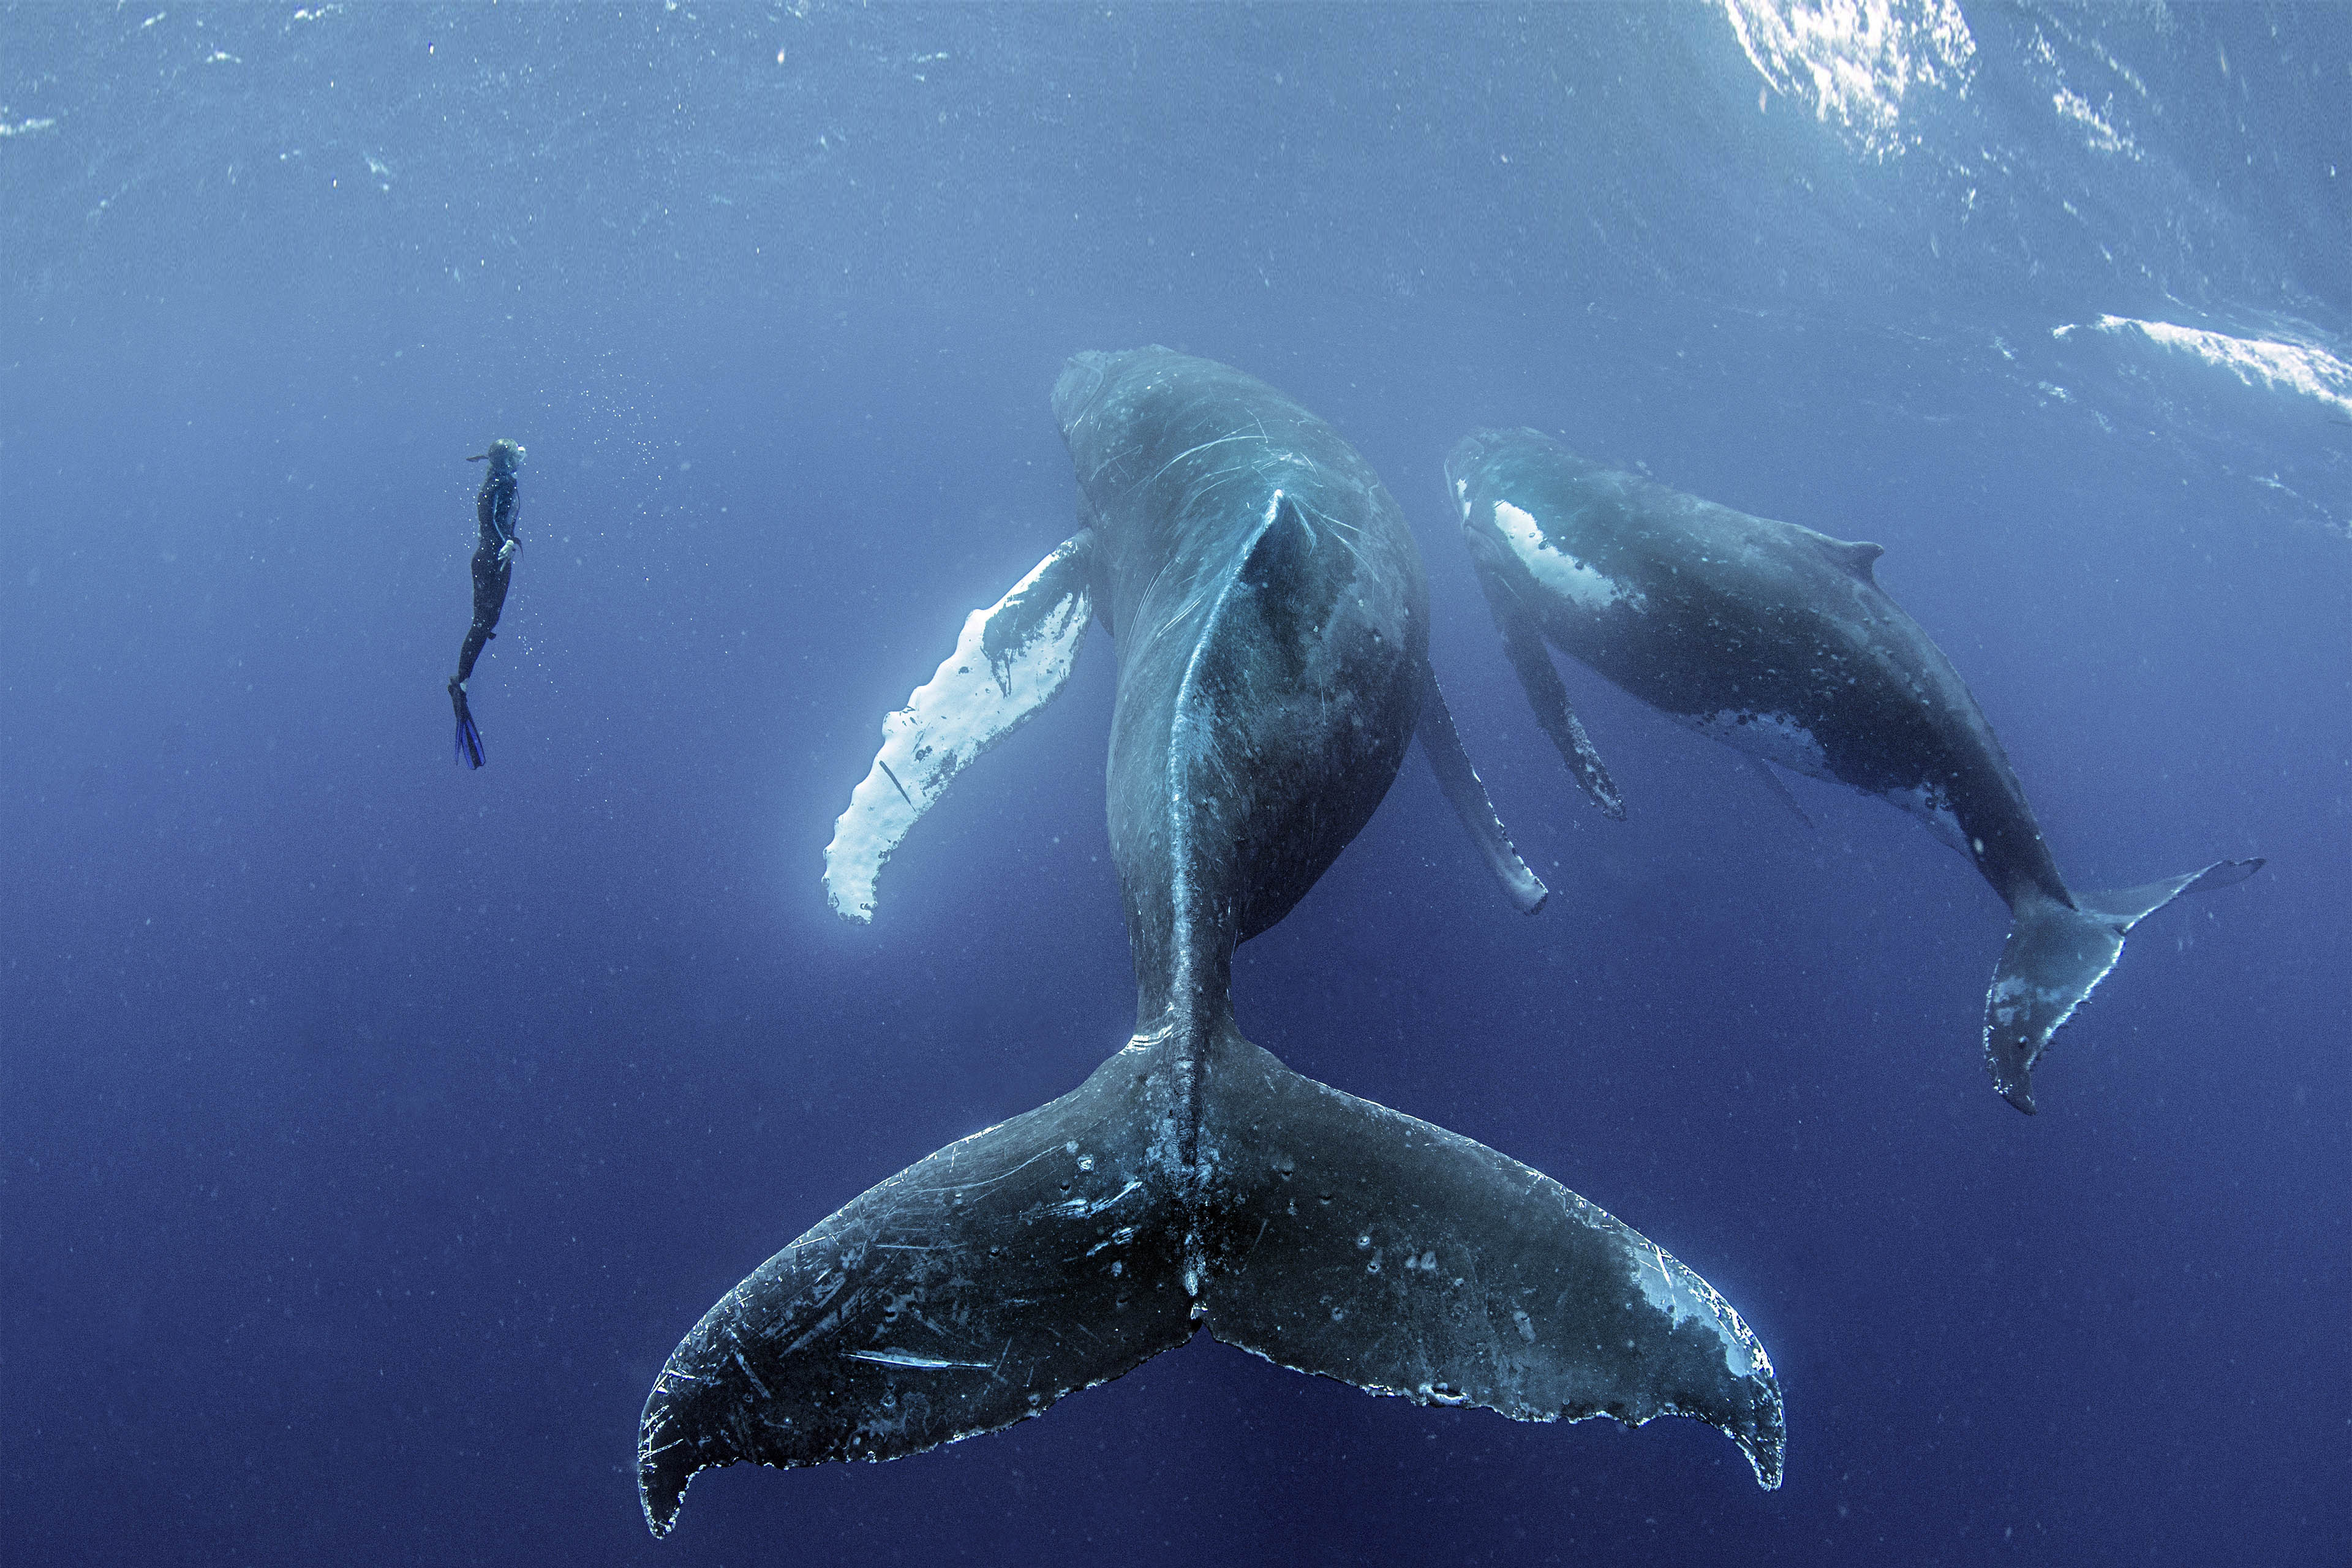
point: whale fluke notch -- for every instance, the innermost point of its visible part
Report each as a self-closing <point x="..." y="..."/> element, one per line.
<point x="1010" y="660"/>
<point x="1063" y="1248"/>
<point x="2055" y="957"/>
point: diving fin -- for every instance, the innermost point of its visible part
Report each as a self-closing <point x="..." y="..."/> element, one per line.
<point x="469" y="739"/>
<point x="1063" y="1248"/>
<point x="2053" y="958"/>
<point x="1010" y="660"/>
<point x="1442" y="744"/>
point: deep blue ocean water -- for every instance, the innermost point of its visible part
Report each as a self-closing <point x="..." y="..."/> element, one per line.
<point x="370" y="1129"/>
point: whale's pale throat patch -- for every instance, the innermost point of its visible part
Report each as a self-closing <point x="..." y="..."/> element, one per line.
<point x="1556" y="569"/>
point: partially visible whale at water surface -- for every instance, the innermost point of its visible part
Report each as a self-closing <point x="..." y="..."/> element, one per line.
<point x="1270" y="622"/>
<point x="1778" y="641"/>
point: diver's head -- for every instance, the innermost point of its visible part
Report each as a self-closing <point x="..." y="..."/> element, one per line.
<point x="504" y="456"/>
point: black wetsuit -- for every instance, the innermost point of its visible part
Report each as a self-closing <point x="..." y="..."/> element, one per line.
<point x="499" y="506"/>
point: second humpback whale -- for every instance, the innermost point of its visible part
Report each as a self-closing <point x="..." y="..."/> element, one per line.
<point x="1778" y="641"/>
<point x="1270" y="621"/>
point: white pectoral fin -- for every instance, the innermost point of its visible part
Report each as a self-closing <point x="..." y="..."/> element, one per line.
<point x="1009" y="661"/>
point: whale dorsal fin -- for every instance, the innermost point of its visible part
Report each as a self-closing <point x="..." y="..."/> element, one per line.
<point x="1854" y="556"/>
<point x="1280" y="553"/>
<point x="1292" y="599"/>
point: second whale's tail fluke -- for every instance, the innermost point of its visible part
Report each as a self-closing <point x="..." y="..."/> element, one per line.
<point x="1321" y="1231"/>
<point x="2056" y="955"/>
<point x="469" y="739"/>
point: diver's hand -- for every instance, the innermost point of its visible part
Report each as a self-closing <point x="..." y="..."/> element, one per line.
<point x="506" y="551"/>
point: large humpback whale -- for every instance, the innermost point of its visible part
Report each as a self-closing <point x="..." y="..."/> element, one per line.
<point x="1778" y="641"/>
<point x="1270" y="619"/>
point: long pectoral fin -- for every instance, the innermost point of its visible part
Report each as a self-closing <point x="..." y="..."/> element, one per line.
<point x="1009" y="662"/>
<point x="1523" y="644"/>
<point x="1442" y="744"/>
<point x="1358" y="1242"/>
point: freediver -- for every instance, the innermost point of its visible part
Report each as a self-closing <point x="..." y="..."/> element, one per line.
<point x="498" y="507"/>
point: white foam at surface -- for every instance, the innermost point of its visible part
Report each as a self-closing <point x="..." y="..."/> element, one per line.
<point x="2306" y="368"/>
<point x="1556" y="570"/>
<point x="966" y="706"/>
<point x="1854" y="62"/>
<point x="2104" y="136"/>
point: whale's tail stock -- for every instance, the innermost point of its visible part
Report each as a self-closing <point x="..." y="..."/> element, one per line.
<point x="2056" y="955"/>
<point x="1323" y="1232"/>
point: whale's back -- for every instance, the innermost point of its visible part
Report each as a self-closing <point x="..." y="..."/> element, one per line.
<point x="1272" y="623"/>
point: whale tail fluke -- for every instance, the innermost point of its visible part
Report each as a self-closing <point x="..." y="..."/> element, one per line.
<point x="2055" y="956"/>
<point x="969" y="1292"/>
<point x="1063" y="1248"/>
<point x="1365" y="1244"/>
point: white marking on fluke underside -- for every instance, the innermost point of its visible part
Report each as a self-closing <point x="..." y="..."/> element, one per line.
<point x="1674" y="1290"/>
<point x="919" y="1363"/>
